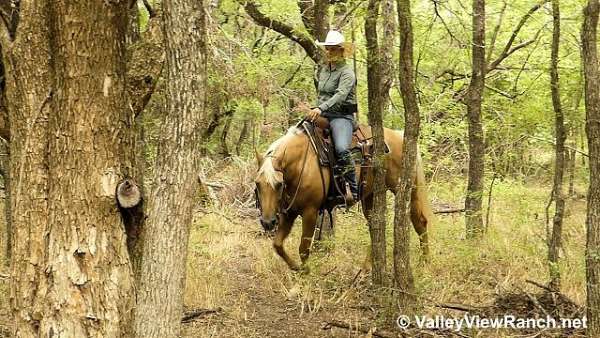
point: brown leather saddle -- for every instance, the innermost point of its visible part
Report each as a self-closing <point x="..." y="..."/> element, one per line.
<point x="320" y="132"/>
<point x="361" y="149"/>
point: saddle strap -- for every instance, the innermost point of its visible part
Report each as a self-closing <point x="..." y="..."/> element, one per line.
<point x="311" y="137"/>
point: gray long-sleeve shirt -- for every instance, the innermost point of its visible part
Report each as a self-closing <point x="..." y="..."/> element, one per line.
<point x="336" y="88"/>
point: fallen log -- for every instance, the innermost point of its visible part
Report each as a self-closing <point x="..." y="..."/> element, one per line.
<point x="448" y="211"/>
<point x="190" y="315"/>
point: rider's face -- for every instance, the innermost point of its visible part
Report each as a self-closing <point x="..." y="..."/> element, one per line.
<point x="334" y="53"/>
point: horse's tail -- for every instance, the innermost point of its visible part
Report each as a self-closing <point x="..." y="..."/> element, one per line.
<point x="420" y="191"/>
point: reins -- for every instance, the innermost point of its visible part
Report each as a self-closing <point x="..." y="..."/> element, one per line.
<point x="299" y="180"/>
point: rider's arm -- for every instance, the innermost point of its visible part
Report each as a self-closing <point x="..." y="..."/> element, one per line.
<point x="347" y="79"/>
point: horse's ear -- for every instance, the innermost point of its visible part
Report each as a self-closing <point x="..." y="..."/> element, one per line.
<point x="259" y="157"/>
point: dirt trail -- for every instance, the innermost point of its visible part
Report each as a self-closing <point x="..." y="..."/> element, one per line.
<point x="252" y="308"/>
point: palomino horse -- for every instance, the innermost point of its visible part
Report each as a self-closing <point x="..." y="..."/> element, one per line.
<point x="288" y="185"/>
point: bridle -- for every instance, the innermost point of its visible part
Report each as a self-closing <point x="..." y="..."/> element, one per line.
<point x="281" y="209"/>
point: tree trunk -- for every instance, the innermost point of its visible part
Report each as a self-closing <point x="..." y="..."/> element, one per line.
<point x="8" y="233"/>
<point x="402" y="269"/>
<point x="555" y="241"/>
<point x="226" y="128"/>
<point x="390" y="27"/>
<point x="29" y="161"/>
<point x="377" y="216"/>
<point x="71" y="274"/>
<point x="175" y="186"/>
<point x="473" y="210"/>
<point x="243" y="136"/>
<point x="572" y="158"/>
<point x="592" y="105"/>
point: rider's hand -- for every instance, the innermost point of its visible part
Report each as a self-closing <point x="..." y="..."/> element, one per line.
<point x="313" y="114"/>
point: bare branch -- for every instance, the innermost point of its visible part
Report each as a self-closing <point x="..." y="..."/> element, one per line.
<point x="151" y="12"/>
<point x="293" y="74"/>
<point x="437" y="14"/>
<point x="307" y="13"/>
<point x="495" y="32"/>
<point x="304" y="40"/>
<point x="340" y="24"/>
<point x="508" y="48"/>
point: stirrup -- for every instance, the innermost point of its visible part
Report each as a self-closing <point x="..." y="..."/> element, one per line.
<point x="349" y="197"/>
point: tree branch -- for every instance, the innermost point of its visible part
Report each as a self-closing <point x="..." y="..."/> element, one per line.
<point x="290" y="32"/>
<point x="151" y="11"/>
<point x="508" y="48"/>
<point x="437" y="14"/>
<point x="343" y="21"/>
<point x="307" y="13"/>
<point x="495" y="32"/>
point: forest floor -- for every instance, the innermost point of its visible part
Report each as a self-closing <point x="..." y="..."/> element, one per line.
<point x="233" y="270"/>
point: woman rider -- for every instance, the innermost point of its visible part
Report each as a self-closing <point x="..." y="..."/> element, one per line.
<point x="337" y="102"/>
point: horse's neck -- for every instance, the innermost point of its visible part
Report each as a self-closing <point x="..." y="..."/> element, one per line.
<point x="290" y="152"/>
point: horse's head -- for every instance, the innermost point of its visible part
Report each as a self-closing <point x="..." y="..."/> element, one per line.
<point x="269" y="191"/>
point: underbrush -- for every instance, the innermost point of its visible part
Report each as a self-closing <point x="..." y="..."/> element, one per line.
<point x="229" y="251"/>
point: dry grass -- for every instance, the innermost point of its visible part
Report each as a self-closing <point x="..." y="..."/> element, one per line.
<point x="232" y="267"/>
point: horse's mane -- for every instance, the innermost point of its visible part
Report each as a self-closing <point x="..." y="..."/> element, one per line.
<point x="267" y="169"/>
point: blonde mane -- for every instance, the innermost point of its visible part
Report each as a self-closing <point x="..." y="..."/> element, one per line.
<point x="267" y="169"/>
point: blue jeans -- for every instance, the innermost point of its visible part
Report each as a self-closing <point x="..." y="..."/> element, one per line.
<point x="341" y="130"/>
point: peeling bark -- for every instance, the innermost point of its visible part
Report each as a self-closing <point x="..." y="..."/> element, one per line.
<point x="402" y="268"/>
<point x="377" y="218"/>
<point x="175" y="186"/>
<point x="69" y="117"/>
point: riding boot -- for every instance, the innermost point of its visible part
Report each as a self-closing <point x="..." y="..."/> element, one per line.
<point x="346" y="162"/>
<point x="350" y="177"/>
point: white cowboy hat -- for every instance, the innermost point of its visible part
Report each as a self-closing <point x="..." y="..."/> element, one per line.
<point x="334" y="38"/>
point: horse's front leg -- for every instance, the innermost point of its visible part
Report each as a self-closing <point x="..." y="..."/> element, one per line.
<point x="283" y="230"/>
<point x="309" y="220"/>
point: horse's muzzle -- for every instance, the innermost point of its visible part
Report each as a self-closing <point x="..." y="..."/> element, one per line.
<point x="268" y="225"/>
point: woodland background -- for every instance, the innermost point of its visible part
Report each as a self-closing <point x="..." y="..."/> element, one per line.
<point x="255" y="60"/>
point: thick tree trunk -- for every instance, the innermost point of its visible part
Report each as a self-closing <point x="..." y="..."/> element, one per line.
<point x="402" y="269"/>
<point x="555" y="241"/>
<point x="70" y="145"/>
<point x="592" y="106"/>
<point x="473" y="204"/>
<point x="377" y="217"/>
<point x="27" y="68"/>
<point x="175" y="186"/>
